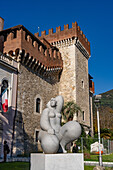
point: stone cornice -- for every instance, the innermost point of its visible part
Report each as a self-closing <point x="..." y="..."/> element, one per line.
<point x="70" y="42"/>
<point x="63" y="43"/>
<point x="8" y="62"/>
<point x="81" y="48"/>
<point x="50" y="74"/>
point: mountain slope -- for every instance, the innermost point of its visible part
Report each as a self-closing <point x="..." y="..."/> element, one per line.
<point x="107" y="99"/>
<point x="105" y="111"/>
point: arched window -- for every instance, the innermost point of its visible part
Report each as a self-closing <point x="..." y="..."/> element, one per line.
<point x="4" y="85"/>
<point x="38" y="101"/>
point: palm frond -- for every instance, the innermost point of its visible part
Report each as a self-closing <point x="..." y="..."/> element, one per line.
<point x="69" y="110"/>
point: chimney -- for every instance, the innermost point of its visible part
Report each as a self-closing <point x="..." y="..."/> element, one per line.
<point x="1" y="23"/>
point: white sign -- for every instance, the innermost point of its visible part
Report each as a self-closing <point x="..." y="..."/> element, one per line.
<point x="95" y="147"/>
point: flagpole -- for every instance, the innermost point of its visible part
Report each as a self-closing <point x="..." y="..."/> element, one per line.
<point x="0" y="99"/>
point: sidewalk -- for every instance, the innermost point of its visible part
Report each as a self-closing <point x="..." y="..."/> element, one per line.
<point x="25" y="159"/>
<point x="94" y="163"/>
<point x="17" y="159"/>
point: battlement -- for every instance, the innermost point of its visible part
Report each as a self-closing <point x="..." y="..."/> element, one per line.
<point x="1" y="23"/>
<point x="19" y="38"/>
<point x="67" y="33"/>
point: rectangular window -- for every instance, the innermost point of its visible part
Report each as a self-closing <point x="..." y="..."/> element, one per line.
<point x="83" y="115"/>
<point x="38" y="105"/>
<point x="36" y="135"/>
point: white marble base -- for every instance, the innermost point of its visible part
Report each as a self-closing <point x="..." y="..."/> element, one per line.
<point x="57" y="161"/>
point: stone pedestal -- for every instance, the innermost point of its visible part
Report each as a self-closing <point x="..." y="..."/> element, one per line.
<point x="57" y="161"/>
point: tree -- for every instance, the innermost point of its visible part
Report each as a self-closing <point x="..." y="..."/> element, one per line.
<point x="105" y="117"/>
<point x="69" y="109"/>
<point x="106" y="133"/>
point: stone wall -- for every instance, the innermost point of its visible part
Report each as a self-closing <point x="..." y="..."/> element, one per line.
<point x="30" y="86"/>
<point x="67" y="86"/>
<point x="74" y="83"/>
<point x="82" y="86"/>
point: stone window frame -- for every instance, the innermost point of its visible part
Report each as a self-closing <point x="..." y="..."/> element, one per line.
<point x="36" y="130"/>
<point x="37" y="96"/>
<point x="75" y="117"/>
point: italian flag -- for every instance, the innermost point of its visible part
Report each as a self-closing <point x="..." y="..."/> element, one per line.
<point x="4" y="101"/>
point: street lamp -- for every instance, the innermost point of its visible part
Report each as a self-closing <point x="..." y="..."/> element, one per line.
<point x="97" y="104"/>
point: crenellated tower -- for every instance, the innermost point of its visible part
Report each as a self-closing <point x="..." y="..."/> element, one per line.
<point x="75" y="51"/>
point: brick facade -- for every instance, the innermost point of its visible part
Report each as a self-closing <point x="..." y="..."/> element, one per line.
<point x="19" y="38"/>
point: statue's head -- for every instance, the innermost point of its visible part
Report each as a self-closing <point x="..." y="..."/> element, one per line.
<point x="53" y="102"/>
<point x="56" y="102"/>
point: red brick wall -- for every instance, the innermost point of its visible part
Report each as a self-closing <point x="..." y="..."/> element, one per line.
<point x="48" y="57"/>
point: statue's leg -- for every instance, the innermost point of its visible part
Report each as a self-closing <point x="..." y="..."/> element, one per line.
<point x="68" y="133"/>
<point x="49" y="143"/>
<point x="63" y="145"/>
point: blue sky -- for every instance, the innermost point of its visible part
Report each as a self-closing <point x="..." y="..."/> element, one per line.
<point x="95" y="18"/>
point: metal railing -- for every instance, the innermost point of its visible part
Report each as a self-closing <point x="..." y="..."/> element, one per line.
<point x="84" y="144"/>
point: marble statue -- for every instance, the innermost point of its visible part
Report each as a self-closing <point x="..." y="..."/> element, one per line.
<point x="52" y="134"/>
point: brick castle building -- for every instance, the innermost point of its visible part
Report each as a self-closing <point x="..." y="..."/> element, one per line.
<point x="36" y="68"/>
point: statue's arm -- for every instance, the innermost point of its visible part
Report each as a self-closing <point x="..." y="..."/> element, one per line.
<point x="45" y="121"/>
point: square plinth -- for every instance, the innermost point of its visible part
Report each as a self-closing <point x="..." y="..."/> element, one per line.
<point x="57" y="161"/>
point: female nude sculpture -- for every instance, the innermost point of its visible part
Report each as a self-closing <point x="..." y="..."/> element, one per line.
<point x="52" y="134"/>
